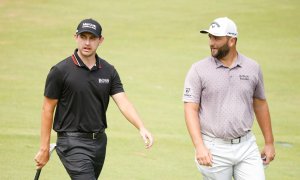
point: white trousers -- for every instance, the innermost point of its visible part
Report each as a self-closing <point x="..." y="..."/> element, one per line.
<point x="240" y="161"/>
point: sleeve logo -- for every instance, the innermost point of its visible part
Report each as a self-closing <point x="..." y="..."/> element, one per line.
<point x="187" y="92"/>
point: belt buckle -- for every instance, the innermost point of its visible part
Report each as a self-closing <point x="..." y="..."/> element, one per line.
<point x="94" y="135"/>
<point x="235" y="141"/>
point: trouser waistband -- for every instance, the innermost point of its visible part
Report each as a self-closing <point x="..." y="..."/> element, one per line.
<point x="92" y="135"/>
<point x="228" y="141"/>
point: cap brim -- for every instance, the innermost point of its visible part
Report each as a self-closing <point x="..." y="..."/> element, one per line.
<point x="86" y="30"/>
<point x="204" y="31"/>
<point x="212" y="33"/>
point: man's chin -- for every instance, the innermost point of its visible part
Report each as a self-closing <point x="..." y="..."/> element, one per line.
<point x="214" y="53"/>
<point x="87" y="54"/>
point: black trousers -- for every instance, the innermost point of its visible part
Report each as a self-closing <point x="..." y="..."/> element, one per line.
<point x="83" y="158"/>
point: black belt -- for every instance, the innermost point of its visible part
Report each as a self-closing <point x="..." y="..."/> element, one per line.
<point x="228" y="141"/>
<point x="93" y="135"/>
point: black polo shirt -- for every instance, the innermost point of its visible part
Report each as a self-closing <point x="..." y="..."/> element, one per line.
<point x="83" y="94"/>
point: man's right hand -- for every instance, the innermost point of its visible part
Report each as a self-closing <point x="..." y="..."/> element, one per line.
<point x="41" y="158"/>
<point x="203" y="156"/>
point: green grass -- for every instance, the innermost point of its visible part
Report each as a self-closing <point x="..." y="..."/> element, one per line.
<point x="152" y="44"/>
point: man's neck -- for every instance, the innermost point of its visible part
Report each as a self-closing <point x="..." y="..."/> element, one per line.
<point x="230" y="59"/>
<point x="88" y="61"/>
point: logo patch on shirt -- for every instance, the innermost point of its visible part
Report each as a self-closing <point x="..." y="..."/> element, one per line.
<point x="103" y="81"/>
<point x="187" y="92"/>
<point x="244" y="77"/>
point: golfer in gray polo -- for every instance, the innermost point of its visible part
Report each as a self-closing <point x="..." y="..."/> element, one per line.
<point x="221" y="95"/>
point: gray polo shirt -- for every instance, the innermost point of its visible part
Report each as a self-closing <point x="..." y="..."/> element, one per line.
<point x="225" y="95"/>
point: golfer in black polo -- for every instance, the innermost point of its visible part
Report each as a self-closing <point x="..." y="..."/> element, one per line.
<point x="78" y="89"/>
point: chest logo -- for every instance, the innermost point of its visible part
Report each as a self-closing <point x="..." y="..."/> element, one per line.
<point x="244" y="77"/>
<point x="103" y="81"/>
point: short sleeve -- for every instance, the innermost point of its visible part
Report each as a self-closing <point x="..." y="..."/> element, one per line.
<point x="116" y="85"/>
<point x="192" y="86"/>
<point x="54" y="84"/>
<point x="259" y="89"/>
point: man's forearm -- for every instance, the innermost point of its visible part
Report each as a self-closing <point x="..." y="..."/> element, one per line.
<point x="193" y="124"/>
<point x="128" y="110"/>
<point x="46" y="125"/>
<point x="264" y="120"/>
<point x="46" y="122"/>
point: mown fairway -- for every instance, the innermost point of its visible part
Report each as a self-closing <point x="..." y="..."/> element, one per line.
<point x="152" y="44"/>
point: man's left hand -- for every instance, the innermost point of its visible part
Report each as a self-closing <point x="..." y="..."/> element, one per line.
<point x="147" y="137"/>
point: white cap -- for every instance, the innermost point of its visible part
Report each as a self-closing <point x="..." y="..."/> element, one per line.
<point x="222" y="27"/>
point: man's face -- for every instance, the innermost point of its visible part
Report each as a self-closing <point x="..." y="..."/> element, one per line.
<point x="219" y="46"/>
<point x="87" y="44"/>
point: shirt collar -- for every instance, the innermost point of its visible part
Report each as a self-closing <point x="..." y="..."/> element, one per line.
<point x="237" y="63"/>
<point x="77" y="60"/>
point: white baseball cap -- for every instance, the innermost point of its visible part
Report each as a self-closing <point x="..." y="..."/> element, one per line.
<point x="222" y="27"/>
